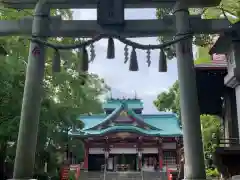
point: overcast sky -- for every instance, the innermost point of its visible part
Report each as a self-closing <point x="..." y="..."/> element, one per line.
<point x="147" y="82"/>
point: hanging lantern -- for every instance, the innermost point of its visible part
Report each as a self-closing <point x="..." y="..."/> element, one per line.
<point x="162" y="62"/>
<point x="56" y="62"/>
<point x="126" y="54"/>
<point x="83" y="64"/>
<point x="92" y="52"/>
<point x="148" y="57"/>
<point x="110" y="49"/>
<point x="133" y="66"/>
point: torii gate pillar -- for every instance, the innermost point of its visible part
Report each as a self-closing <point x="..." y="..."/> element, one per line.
<point x="190" y="115"/>
<point x="28" y="128"/>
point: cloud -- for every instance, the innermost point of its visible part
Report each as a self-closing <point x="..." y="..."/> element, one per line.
<point x="91" y="14"/>
<point x="147" y="82"/>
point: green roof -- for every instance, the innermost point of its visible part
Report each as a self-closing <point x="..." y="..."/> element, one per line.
<point x="129" y="128"/>
<point x="161" y="124"/>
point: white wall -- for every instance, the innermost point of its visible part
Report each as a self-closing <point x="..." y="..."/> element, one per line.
<point x="171" y="145"/>
<point x="132" y="150"/>
<point x="123" y="151"/>
<point x="96" y="151"/>
<point x="150" y="150"/>
<point x="113" y="151"/>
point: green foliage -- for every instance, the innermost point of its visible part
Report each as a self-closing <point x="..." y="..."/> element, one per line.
<point x="64" y="98"/>
<point x="170" y="101"/>
<point x="211" y="129"/>
<point x="72" y="175"/>
<point x="231" y="9"/>
<point x="212" y="173"/>
<point x="203" y="56"/>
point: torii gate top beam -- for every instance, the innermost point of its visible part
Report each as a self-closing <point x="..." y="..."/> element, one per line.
<point x="132" y="28"/>
<point x="89" y="4"/>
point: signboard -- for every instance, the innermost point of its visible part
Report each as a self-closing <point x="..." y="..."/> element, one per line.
<point x="65" y="172"/>
<point x="110" y="12"/>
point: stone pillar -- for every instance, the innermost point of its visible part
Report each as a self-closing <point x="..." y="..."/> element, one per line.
<point x="86" y="153"/>
<point x="33" y="91"/>
<point x="190" y="115"/>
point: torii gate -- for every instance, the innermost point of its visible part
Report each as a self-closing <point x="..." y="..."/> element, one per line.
<point x="42" y="26"/>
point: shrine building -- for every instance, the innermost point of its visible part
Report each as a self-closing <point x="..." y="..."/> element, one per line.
<point x="125" y="139"/>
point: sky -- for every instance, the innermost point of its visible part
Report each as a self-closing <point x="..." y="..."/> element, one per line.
<point x="147" y="82"/>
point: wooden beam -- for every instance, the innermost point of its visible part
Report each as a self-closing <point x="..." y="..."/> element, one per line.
<point x="86" y="4"/>
<point x="133" y="28"/>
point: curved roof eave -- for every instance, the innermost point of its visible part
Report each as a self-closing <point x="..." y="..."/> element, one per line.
<point x="129" y="129"/>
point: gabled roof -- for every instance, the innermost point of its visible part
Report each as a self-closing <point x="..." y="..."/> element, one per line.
<point x="116" y="113"/>
<point x="162" y="124"/>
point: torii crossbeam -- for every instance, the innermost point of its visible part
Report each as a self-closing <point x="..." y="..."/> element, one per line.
<point x="85" y="4"/>
<point x="132" y="28"/>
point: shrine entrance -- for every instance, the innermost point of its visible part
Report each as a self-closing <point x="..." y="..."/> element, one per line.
<point x="95" y="162"/>
<point x="111" y="24"/>
<point x="124" y="162"/>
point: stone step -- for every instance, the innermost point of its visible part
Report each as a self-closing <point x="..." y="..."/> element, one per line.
<point x="123" y="176"/>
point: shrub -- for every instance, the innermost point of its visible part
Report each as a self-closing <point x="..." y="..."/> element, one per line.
<point x="72" y="175"/>
<point x="211" y="173"/>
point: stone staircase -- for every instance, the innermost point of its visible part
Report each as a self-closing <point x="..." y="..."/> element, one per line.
<point x="91" y="175"/>
<point x="155" y="176"/>
<point x="123" y="176"/>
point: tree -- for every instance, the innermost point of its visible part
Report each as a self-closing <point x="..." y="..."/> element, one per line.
<point x="202" y="56"/>
<point x="63" y="100"/>
<point x="228" y="8"/>
<point x="170" y="101"/>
